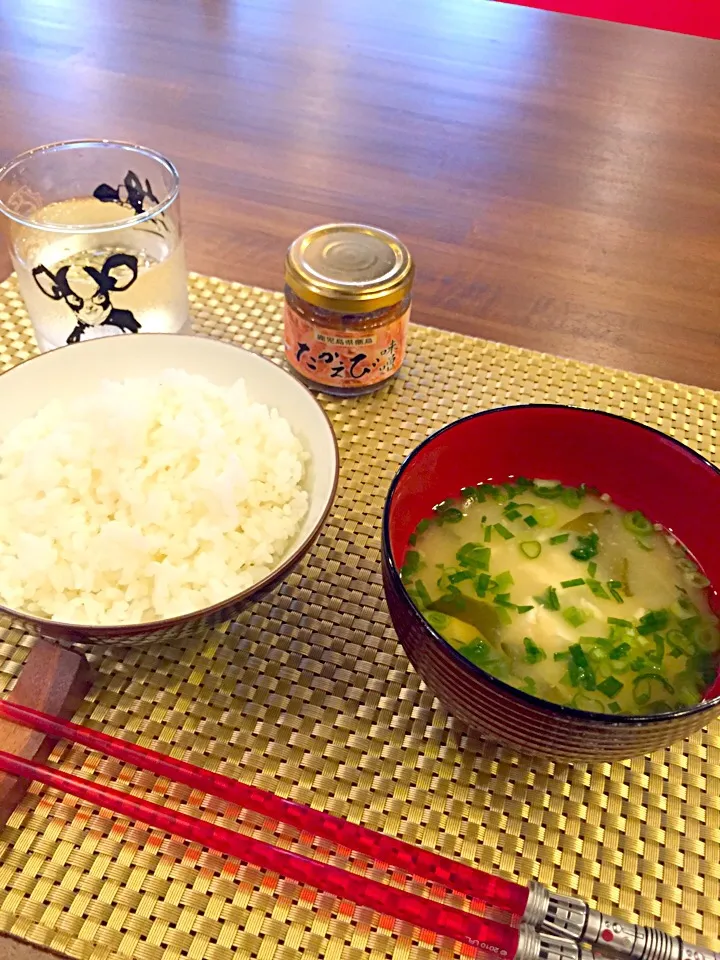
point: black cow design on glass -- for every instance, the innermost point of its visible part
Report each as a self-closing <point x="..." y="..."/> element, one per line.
<point x="119" y="272"/>
<point x="129" y="193"/>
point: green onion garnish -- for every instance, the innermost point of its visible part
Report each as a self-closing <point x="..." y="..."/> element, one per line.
<point x="460" y="576"/>
<point x="587" y="547"/>
<point x="525" y="608"/>
<point x="549" y="599"/>
<point x="574" y="616"/>
<point x="503" y="581"/>
<point x="653" y="621"/>
<point x="592" y="568"/>
<point x="482" y="582"/>
<point x="620" y="651"/>
<point x="422" y="526"/>
<point x="597" y="589"/>
<point x="614" y="707"/>
<point x="513" y="514"/>
<point x="577" y="582"/>
<point x="561" y="655"/>
<point x="411" y="565"/>
<point x="531" y="549"/>
<point x="453" y="515"/>
<point x="618" y="622"/>
<point x="504" y="532"/>
<point x="473" y="555"/>
<point x="488" y="534"/>
<point x="533" y="653"/>
<point x="610" y="686"/>
<point x="637" y="523"/>
<point x="503" y="600"/>
<point x="473" y="493"/>
<point x="546" y="516"/>
<point x="422" y="593"/>
<point x="560" y="538"/>
<point x="642" y="686"/>
<point x="530" y="520"/>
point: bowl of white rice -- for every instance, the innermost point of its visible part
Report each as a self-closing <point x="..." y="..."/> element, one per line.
<point x="151" y="484"/>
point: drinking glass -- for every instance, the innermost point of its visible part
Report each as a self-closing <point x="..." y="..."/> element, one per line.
<point x="94" y="234"/>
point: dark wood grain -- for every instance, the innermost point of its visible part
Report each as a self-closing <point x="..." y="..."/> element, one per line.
<point x="558" y="179"/>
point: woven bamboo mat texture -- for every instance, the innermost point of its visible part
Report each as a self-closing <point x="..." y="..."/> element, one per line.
<point x="308" y="694"/>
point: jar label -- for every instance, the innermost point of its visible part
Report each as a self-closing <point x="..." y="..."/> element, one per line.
<point x="344" y="359"/>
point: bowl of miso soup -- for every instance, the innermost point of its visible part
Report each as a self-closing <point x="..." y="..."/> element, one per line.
<point x="551" y="573"/>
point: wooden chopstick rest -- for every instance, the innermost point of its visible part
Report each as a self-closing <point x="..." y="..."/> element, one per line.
<point x="54" y="680"/>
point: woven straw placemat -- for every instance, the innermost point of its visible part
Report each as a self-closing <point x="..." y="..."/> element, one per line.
<point x="308" y="694"/>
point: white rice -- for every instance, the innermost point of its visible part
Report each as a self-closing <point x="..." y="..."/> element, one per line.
<point x="146" y="499"/>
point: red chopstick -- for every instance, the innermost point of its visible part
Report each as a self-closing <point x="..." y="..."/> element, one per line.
<point x="491" y="937"/>
<point x="495" y="891"/>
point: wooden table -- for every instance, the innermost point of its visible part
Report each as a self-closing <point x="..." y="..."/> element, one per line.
<point x="557" y="179"/>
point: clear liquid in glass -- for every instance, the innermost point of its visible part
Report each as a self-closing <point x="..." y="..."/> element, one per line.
<point x="78" y="286"/>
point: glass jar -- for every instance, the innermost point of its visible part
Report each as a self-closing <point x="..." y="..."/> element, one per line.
<point x="347" y="307"/>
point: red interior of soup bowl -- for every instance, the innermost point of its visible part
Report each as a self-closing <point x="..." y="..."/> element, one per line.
<point x="641" y="469"/>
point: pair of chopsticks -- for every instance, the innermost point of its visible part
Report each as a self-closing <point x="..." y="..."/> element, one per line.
<point x="540" y="925"/>
<point x="497" y="939"/>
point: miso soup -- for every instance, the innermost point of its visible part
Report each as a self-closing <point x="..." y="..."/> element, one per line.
<point x="562" y="594"/>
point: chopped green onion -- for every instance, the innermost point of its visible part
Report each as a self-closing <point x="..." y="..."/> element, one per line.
<point x="546" y="516"/>
<point x="571" y="496"/>
<point x="504" y="532"/>
<point x="645" y="546"/>
<point x="587" y="547"/>
<point x="488" y="534"/>
<point x="503" y="599"/>
<point x="616" y="621"/>
<point x="549" y="599"/>
<point x="473" y="493"/>
<point x="531" y="549"/>
<point x="697" y="579"/>
<point x="503" y="581"/>
<point x="473" y="555"/>
<point x="533" y="653"/>
<point x="620" y="651"/>
<point x="560" y="538"/>
<point x="642" y="686"/>
<point x="614" y="592"/>
<point x="412" y="539"/>
<point x="575" y="617"/>
<point x="577" y="582"/>
<point x="453" y="515"/>
<point x="658" y="654"/>
<point x="477" y="652"/>
<point x="525" y="609"/>
<point x="547" y="484"/>
<point x="610" y="686"/>
<point x="513" y="515"/>
<point x="511" y="506"/>
<point x="653" y="621"/>
<point x="530" y="520"/>
<point x="639" y="663"/>
<point x="482" y="582"/>
<point x="422" y="593"/>
<point x="579" y="669"/>
<point x="411" y="565"/>
<point x="439" y="621"/>
<point x="592" y="569"/>
<point x="614" y="707"/>
<point x="422" y="526"/>
<point x="528" y="685"/>
<point x="561" y="655"/>
<point x="460" y="576"/>
<point x="637" y="523"/>
<point x="597" y="589"/>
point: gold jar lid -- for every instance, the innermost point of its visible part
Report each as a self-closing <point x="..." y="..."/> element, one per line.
<point x="349" y="268"/>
